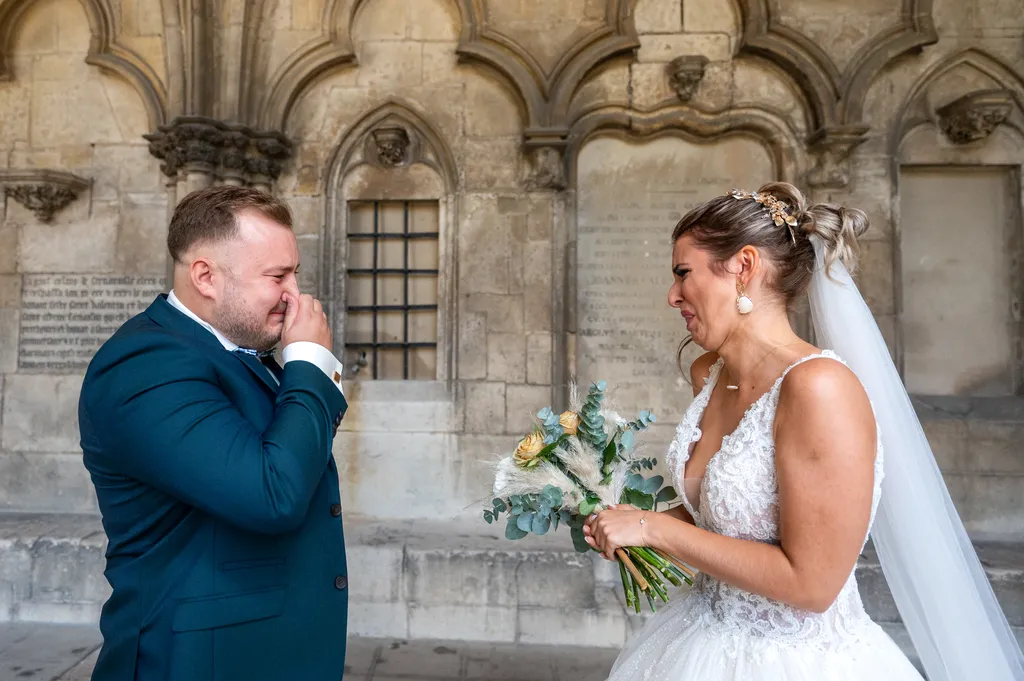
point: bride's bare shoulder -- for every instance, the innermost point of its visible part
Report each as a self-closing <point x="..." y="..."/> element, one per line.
<point x="700" y="370"/>
<point x="827" y="388"/>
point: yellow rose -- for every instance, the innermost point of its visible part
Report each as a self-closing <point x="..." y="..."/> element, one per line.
<point x="569" y="420"/>
<point x="528" y="449"/>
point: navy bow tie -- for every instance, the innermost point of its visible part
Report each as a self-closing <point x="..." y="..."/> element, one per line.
<point x="260" y="354"/>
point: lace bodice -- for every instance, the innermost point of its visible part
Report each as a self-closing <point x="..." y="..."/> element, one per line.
<point x="739" y="498"/>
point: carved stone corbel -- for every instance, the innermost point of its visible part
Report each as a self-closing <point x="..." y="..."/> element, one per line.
<point x="685" y="73"/>
<point x="44" y="192"/>
<point x="975" y="116"/>
<point x="391" y="146"/>
<point x="545" y="158"/>
<point x="832" y="148"/>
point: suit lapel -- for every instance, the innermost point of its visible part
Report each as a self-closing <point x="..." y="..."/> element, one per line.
<point x="164" y="314"/>
<point x="256" y="367"/>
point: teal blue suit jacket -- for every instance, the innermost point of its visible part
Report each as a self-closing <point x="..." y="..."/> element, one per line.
<point x="220" y="501"/>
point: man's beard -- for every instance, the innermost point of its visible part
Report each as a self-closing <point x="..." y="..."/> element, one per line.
<point x="243" y="325"/>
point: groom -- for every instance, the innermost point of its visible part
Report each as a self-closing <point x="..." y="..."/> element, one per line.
<point x="212" y="463"/>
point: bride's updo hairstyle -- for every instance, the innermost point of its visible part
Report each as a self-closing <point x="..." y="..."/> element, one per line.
<point x="778" y="222"/>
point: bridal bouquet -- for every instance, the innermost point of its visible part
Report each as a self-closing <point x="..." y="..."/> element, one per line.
<point x="577" y="463"/>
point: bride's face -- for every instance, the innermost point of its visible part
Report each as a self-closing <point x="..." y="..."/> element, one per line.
<point x="705" y="295"/>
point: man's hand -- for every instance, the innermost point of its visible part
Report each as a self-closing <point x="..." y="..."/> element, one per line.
<point x="305" y="320"/>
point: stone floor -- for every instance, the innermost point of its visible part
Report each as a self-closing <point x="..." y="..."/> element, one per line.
<point x="49" y="652"/>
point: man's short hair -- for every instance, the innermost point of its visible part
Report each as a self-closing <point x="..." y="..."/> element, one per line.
<point x="208" y="215"/>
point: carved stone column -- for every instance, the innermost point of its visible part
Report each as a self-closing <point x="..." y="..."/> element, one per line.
<point x="200" y="152"/>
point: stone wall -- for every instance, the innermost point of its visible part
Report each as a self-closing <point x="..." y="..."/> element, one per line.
<point x="560" y="140"/>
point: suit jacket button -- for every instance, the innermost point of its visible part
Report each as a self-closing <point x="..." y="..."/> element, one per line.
<point x="340" y="582"/>
<point x="335" y="510"/>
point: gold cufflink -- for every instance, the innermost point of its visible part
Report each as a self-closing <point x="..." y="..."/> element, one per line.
<point x="337" y="377"/>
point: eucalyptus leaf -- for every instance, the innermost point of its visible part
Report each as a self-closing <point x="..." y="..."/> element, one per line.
<point x="638" y="499"/>
<point x="489" y="517"/>
<point x="554" y="521"/>
<point x="512" y="530"/>
<point x="653" y="484"/>
<point x="587" y="507"/>
<point x="635" y="480"/>
<point x="541" y="524"/>
<point x="499" y="505"/>
<point x="666" y="494"/>
<point x="544" y="413"/>
<point x="579" y="541"/>
<point x="525" y="521"/>
<point x="627" y="439"/>
<point x="554" y="495"/>
<point x="601" y="385"/>
<point x="565" y="516"/>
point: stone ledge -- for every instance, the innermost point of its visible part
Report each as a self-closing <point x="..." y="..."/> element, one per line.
<point x="457" y="580"/>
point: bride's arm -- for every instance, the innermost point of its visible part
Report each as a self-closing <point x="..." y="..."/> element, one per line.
<point x="825" y="448"/>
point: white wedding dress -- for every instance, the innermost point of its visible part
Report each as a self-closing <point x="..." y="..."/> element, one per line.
<point x="718" y="632"/>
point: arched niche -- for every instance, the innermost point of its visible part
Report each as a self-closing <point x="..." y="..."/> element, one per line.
<point x="635" y="175"/>
<point x="957" y="146"/>
<point x="391" y="174"/>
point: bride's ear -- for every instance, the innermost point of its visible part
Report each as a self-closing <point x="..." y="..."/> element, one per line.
<point x="747" y="265"/>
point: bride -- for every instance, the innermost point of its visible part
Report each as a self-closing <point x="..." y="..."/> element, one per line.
<point x="780" y="463"/>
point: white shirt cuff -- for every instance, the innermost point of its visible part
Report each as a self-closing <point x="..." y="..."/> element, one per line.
<point x="317" y="355"/>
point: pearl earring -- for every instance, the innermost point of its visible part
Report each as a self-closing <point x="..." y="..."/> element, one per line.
<point x="743" y="303"/>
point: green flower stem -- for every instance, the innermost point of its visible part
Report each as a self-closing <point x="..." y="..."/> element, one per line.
<point x="671" y="573"/>
<point x="653" y="578"/>
<point x="636" y="596"/>
<point x="627" y="585"/>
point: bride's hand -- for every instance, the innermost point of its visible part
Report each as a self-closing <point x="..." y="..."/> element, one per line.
<point x="614" y="528"/>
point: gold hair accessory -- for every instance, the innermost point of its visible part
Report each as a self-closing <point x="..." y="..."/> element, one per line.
<point x="776" y="209"/>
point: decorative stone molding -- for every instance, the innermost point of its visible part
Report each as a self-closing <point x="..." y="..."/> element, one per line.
<point x="105" y="51"/>
<point x="391" y="146"/>
<point x="831" y="148"/>
<point x="685" y="73"/>
<point x="835" y="95"/>
<point x="767" y="126"/>
<point x="230" y="152"/>
<point x="918" y="108"/>
<point x="973" y="117"/>
<point x="45" y="192"/>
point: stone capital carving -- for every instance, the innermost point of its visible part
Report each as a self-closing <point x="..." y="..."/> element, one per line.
<point x="391" y="145"/>
<point x="832" y="148"/>
<point x="45" y="192"/>
<point x="685" y="74"/>
<point x="206" y="145"/>
<point x="975" y="116"/>
<point x="546" y="167"/>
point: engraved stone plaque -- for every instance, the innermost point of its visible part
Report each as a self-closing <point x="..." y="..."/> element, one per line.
<point x="66" y="317"/>
<point x="630" y="197"/>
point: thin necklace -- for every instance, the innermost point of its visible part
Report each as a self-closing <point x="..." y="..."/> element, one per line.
<point x="763" y="358"/>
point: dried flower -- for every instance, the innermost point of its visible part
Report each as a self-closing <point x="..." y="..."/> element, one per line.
<point x="776" y="209"/>
<point x="570" y="421"/>
<point x="528" y="449"/>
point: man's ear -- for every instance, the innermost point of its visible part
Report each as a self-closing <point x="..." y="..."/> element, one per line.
<point x="203" y="274"/>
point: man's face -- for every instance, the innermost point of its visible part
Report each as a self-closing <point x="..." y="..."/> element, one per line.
<point x="258" y="267"/>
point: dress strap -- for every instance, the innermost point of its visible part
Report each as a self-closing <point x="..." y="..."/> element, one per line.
<point x="824" y="354"/>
